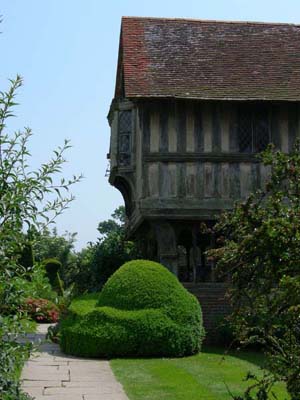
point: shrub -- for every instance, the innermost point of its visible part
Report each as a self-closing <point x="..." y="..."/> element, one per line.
<point x="38" y="286"/>
<point x="27" y="257"/>
<point x="42" y="310"/>
<point x="224" y="333"/>
<point x="52" y="267"/>
<point x="142" y="310"/>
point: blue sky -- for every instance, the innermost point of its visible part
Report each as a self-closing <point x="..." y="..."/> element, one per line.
<point x="66" y="51"/>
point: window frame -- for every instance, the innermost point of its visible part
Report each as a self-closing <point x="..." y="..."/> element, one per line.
<point x="124" y="156"/>
<point x="255" y="127"/>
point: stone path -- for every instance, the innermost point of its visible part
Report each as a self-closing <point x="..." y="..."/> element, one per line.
<point x="52" y="375"/>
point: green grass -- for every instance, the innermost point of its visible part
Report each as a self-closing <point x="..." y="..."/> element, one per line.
<point x="206" y="376"/>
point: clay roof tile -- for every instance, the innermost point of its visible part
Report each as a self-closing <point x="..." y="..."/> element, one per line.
<point x="200" y="59"/>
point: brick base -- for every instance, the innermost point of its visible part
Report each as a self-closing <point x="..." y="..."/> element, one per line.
<point x="214" y="304"/>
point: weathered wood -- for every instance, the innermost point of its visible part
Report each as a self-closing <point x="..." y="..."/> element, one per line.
<point x="133" y="138"/>
<point x="186" y="162"/>
<point x="145" y="180"/>
<point x="181" y="174"/>
<point x="146" y="128"/>
<point x="225" y="120"/>
<point x="163" y="129"/>
<point x="216" y="128"/>
<point x="217" y="180"/>
<point x="283" y="128"/>
<point x="207" y="127"/>
<point x="153" y="178"/>
<point x="200" y="180"/>
<point x="198" y="128"/>
<point x="255" y="177"/>
<point x="293" y="125"/>
<point x="172" y="130"/>
<point x="245" y="179"/>
<point x="181" y="126"/>
<point x="233" y="139"/>
<point x="167" y="180"/>
<point x="225" y="180"/>
<point x="235" y="186"/>
<point x="190" y="135"/>
<point x="208" y="180"/>
<point x="203" y="157"/>
<point x="154" y="131"/>
<point x="275" y="129"/>
<point x="191" y="172"/>
<point x="138" y="156"/>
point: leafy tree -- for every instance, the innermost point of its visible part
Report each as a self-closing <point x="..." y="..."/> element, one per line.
<point x="114" y="224"/>
<point x="261" y="254"/>
<point x="100" y="260"/>
<point x="49" y="244"/>
<point x="30" y="200"/>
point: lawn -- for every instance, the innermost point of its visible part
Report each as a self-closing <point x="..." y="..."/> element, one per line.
<point x="206" y="376"/>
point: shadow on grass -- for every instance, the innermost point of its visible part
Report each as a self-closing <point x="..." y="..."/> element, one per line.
<point x="255" y="357"/>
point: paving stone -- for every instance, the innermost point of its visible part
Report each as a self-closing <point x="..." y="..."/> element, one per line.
<point x="62" y="357"/>
<point x="34" y="391"/>
<point x="41" y="375"/>
<point x="43" y="384"/>
<point x="74" y="384"/>
<point x="81" y="367"/>
<point x="107" y="396"/>
<point x="49" y="369"/>
<point x="52" y="375"/>
<point x="65" y="397"/>
<point x="46" y="363"/>
<point x="43" y="355"/>
<point x="76" y="390"/>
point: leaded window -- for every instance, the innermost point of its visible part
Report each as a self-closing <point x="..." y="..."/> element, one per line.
<point x="253" y="129"/>
<point x="125" y="133"/>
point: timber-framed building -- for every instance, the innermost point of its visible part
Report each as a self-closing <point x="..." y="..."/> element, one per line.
<point x="195" y="101"/>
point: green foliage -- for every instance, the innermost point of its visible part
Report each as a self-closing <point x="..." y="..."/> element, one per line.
<point x="38" y="286"/>
<point x="100" y="260"/>
<point x="30" y="200"/>
<point x="142" y="310"/>
<point x="224" y="333"/>
<point x="110" y="253"/>
<point x="261" y="253"/>
<point x="65" y="297"/>
<point x="27" y="257"/>
<point x="52" y="267"/>
<point x="112" y="249"/>
<point x="116" y="224"/>
<point x="12" y="357"/>
<point x="49" y="244"/>
<point x="83" y="270"/>
<point x="90" y="268"/>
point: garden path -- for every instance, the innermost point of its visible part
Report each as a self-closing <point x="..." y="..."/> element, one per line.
<point x="51" y="375"/>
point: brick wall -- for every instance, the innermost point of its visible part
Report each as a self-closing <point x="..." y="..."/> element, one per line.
<point x="214" y="305"/>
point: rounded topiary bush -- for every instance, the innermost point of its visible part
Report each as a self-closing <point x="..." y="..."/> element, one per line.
<point x="142" y="310"/>
<point x="52" y="267"/>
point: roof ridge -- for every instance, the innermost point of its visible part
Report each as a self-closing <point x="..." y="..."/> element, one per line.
<point x="210" y="20"/>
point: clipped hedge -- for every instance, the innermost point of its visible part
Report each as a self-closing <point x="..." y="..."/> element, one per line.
<point x="53" y="267"/>
<point x="142" y="310"/>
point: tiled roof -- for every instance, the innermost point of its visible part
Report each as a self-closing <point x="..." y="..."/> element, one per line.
<point x="200" y="59"/>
